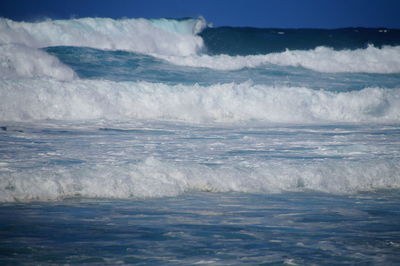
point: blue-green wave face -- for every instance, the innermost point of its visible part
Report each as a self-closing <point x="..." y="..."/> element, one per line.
<point x="91" y="63"/>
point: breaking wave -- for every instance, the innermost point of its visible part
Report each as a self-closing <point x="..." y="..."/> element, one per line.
<point x="154" y="178"/>
<point x="178" y="42"/>
<point x="26" y="100"/>
<point x="321" y="59"/>
<point x="163" y="36"/>
<point x="19" y="61"/>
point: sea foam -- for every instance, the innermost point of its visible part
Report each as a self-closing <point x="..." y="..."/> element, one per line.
<point x="20" y="61"/>
<point x="27" y="100"/>
<point x="322" y="59"/>
<point x="155" y="178"/>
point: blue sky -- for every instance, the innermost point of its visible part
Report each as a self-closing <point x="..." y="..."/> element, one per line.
<point x="255" y="13"/>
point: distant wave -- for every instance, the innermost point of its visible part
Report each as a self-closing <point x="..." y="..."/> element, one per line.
<point x="154" y="178"/>
<point x="322" y="59"/>
<point x="26" y="100"/>
<point x="162" y="36"/>
<point x="257" y="41"/>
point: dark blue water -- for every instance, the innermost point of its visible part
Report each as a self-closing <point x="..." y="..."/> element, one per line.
<point x="247" y="41"/>
<point x="206" y="228"/>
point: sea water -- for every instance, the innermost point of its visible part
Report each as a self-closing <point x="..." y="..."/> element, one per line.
<point x="172" y="142"/>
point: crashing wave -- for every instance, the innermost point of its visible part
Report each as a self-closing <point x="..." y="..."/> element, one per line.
<point x="26" y="100"/>
<point x="19" y="61"/>
<point x="163" y="36"/>
<point x="154" y="178"/>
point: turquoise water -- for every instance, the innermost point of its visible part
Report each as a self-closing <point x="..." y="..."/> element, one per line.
<point x="165" y="142"/>
<point x="128" y="66"/>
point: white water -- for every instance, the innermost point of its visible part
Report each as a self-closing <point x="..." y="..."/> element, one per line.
<point x="177" y="42"/>
<point x="19" y="61"/>
<point x="167" y="37"/>
<point x="38" y="99"/>
<point x="37" y="87"/>
<point x="154" y="178"/>
<point x="321" y="59"/>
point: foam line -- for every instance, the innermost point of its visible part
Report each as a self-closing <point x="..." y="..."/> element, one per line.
<point x="27" y="100"/>
<point x="322" y="59"/>
<point x="155" y="178"/>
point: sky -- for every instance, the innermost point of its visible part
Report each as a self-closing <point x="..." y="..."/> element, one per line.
<point x="252" y="13"/>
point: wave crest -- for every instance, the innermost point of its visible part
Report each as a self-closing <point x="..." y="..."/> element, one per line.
<point x="165" y="37"/>
<point x="18" y="61"/>
<point x="154" y="178"/>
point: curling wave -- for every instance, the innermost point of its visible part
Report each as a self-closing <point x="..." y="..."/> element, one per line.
<point x="163" y="36"/>
<point x="179" y="42"/>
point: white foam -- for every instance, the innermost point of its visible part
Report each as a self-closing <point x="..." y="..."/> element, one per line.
<point x="18" y="61"/>
<point x="38" y="99"/>
<point x="154" y="178"/>
<point x="166" y="37"/>
<point x="322" y="59"/>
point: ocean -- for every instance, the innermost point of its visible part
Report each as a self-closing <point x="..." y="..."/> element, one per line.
<point x="173" y="142"/>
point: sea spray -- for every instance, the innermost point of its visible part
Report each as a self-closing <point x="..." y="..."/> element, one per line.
<point x="20" y="61"/>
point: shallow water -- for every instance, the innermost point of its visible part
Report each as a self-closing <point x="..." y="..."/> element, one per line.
<point x="152" y="159"/>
